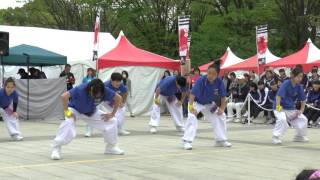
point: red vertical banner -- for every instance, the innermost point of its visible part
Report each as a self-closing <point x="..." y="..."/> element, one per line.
<point x="183" y="30"/>
<point x="262" y="43"/>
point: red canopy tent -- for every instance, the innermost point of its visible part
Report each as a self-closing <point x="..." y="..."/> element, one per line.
<point x="227" y="59"/>
<point x="126" y="54"/>
<point x="251" y="63"/>
<point x="308" y="56"/>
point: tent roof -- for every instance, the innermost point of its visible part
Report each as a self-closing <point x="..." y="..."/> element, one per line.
<point x="309" y="55"/>
<point x="76" y="45"/>
<point x="38" y="56"/>
<point x="252" y="62"/>
<point x="126" y="54"/>
<point x="227" y="59"/>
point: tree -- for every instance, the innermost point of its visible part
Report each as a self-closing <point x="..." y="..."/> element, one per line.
<point x="295" y="16"/>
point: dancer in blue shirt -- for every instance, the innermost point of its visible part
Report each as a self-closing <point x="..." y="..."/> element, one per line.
<point x="285" y="108"/>
<point x="166" y="93"/>
<point x="208" y="96"/>
<point x="8" y="108"/>
<point x="83" y="103"/>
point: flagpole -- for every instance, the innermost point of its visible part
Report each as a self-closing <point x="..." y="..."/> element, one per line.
<point x="257" y="54"/>
<point x="96" y="42"/>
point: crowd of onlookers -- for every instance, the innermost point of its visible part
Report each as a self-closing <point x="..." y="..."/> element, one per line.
<point x="263" y="90"/>
<point x="34" y="73"/>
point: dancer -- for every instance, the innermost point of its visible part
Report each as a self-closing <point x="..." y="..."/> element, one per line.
<point x="165" y="93"/>
<point x="83" y="105"/>
<point x="8" y="108"/>
<point x="285" y="108"/>
<point x="209" y="97"/>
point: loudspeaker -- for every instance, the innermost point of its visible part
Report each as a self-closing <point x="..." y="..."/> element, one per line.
<point x="4" y="43"/>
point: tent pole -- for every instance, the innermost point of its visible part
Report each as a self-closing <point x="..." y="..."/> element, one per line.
<point x="28" y="83"/>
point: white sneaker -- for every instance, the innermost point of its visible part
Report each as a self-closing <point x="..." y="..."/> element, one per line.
<point x="55" y="155"/>
<point x="187" y="146"/>
<point x="123" y="132"/>
<point x="229" y="119"/>
<point x="276" y="140"/>
<point x="237" y="120"/>
<point x="87" y="134"/>
<point x="88" y="131"/>
<point x="222" y="144"/>
<point x="115" y="150"/>
<point x="17" y="137"/>
<point x="153" y="130"/>
<point x="300" y="139"/>
<point x="180" y="128"/>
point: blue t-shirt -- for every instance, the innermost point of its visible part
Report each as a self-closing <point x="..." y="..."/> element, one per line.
<point x="168" y="86"/>
<point x="206" y="92"/>
<point x="6" y="100"/>
<point x="83" y="102"/>
<point x="289" y="95"/>
<point x="87" y="79"/>
<point x="121" y="90"/>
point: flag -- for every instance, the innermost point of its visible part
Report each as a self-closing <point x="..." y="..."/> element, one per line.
<point x="183" y="30"/>
<point x="262" y="43"/>
<point x="96" y="37"/>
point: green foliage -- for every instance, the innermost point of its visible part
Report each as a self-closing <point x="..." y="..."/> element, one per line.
<point x="152" y="24"/>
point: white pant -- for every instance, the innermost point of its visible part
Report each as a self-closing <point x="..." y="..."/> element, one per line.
<point x="12" y="123"/>
<point x="67" y="129"/>
<point x="119" y="116"/>
<point x="234" y="106"/>
<point x="300" y="124"/>
<point x="218" y="123"/>
<point x="175" y="111"/>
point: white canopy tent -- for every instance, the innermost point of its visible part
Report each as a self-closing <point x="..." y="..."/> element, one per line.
<point x="76" y="45"/>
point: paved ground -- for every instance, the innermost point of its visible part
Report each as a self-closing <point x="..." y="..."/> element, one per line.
<point x="157" y="156"/>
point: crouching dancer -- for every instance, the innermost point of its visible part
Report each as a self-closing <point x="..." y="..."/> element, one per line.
<point x="208" y="96"/>
<point x="83" y="105"/>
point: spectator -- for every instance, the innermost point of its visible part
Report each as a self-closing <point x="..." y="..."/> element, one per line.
<point x="42" y="75"/>
<point x="313" y="99"/>
<point x="166" y="74"/>
<point x="195" y="77"/>
<point x="233" y="83"/>
<point x="69" y="76"/>
<point x="90" y="76"/>
<point x="283" y="75"/>
<point x="23" y="74"/>
<point x="271" y="98"/>
<point x="314" y="77"/>
<point x="34" y="74"/>
<point x="247" y="77"/>
<point x="176" y="73"/>
<point x="304" y="78"/>
<point x="254" y="109"/>
<point x="226" y="81"/>
<point x="239" y="96"/>
<point x="127" y="83"/>
<point x="269" y="76"/>
<point x="254" y="77"/>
